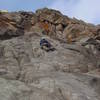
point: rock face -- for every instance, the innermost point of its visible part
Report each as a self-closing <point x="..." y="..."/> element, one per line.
<point x="71" y="72"/>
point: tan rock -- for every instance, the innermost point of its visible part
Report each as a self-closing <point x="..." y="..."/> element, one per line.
<point x="27" y="72"/>
<point x="59" y="27"/>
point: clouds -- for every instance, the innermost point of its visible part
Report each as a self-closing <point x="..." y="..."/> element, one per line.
<point x="65" y="6"/>
<point x="88" y="10"/>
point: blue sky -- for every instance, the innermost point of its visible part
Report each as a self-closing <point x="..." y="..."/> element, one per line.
<point x="87" y="10"/>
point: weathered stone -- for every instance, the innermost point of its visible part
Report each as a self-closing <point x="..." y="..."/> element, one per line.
<point x="59" y="27"/>
<point x="13" y="90"/>
<point x="27" y="72"/>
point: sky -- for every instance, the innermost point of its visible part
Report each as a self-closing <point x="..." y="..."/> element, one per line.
<point x="87" y="10"/>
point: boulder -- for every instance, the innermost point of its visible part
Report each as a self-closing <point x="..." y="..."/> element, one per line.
<point x="70" y="72"/>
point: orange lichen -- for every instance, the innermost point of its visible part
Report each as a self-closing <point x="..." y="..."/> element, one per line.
<point x="45" y="26"/>
<point x="72" y="37"/>
<point x="69" y="38"/>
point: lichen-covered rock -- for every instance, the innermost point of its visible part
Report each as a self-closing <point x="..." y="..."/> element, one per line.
<point x="27" y="72"/>
<point x="13" y="90"/>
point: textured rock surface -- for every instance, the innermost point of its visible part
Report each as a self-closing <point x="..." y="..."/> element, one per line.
<point x="71" y="72"/>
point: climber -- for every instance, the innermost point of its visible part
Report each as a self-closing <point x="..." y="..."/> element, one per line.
<point x="45" y="45"/>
